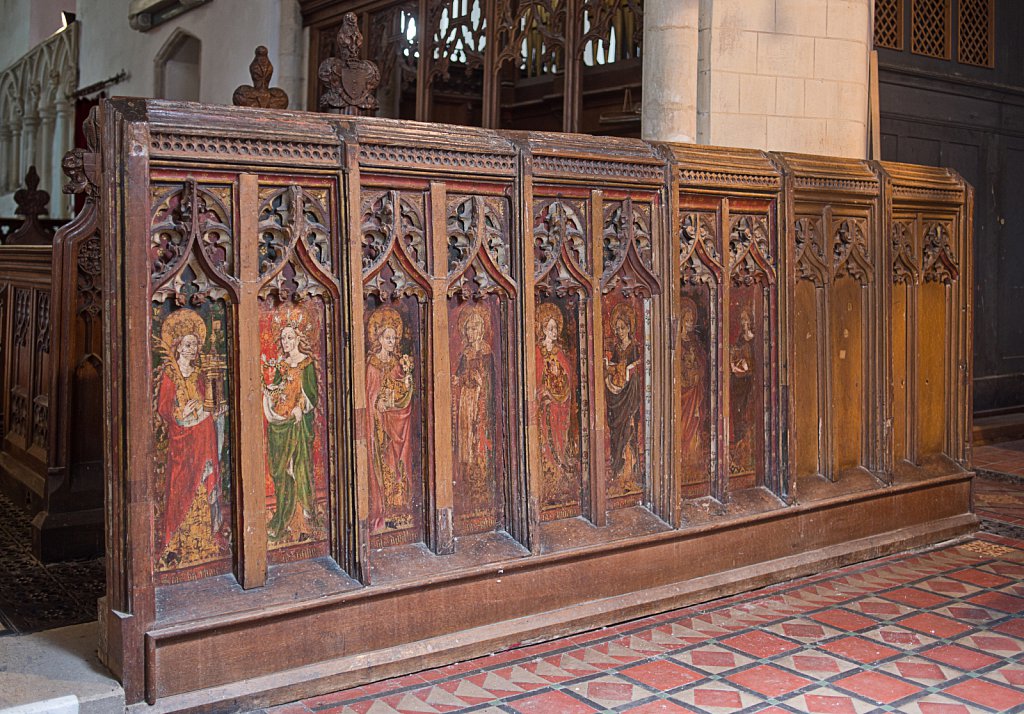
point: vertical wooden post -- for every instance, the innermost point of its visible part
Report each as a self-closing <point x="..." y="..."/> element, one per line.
<point x="356" y="332"/>
<point x="598" y="506"/>
<point x="528" y="305"/>
<point x="491" y="110"/>
<point x="251" y="555"/>
<point x="826" y="408"/>
<point x="442" y="538"/>
<point x="720" y="486"/>
<point x="572" y="89"/>
<point x="424" y="65"/>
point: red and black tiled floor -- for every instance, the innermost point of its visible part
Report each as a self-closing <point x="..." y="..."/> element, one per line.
<point x="935" y="632"/>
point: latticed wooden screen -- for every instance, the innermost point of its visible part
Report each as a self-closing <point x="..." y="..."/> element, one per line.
<point x="889" y="24"/>
<point x="929" y="33"/>
<point x="975" y="40"/>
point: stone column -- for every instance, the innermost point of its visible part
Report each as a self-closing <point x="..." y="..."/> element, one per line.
<point x="670" y="70"/>
<point x="5" y="155"/>
<point x="14" y="158"/>
<point x="44" y="151"/>
<point x="62" y="143"/>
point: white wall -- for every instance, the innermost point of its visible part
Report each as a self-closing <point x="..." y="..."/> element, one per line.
<point x="229" y="31"/>
<point x="785" y="75"/>
<point x="15" y="31"/>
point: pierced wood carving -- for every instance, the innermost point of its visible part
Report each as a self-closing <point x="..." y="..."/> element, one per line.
<point x="810" y="257"/>
<point x="259" y="93"/>
<point x="939" y="265"/>
<point x="394" y="246"/>
<point x="627" y="260"/>
<point x="905" y="268"/>
<point x="850" y="250"/>
<point x="699" y="261"/>
<point x="750" y="258"/>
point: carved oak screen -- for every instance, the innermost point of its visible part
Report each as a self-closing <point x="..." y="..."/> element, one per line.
<point x="479" y="385"/>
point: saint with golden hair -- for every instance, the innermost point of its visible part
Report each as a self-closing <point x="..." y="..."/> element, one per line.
<point x="192" y="466"/>
<point x="289" y="404"/>
<point x="473" y="400"/>
<point x="389" y="390"/>
<point x="556" y="407"/>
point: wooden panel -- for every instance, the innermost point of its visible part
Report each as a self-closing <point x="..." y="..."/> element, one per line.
<point x="413" y="358"/>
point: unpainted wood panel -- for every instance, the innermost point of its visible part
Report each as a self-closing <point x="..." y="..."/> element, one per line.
<point x="900" y="402"/>
<point x="847" y="355"/>
<point x="931" y="391"/>
<point x="806" y="417"/>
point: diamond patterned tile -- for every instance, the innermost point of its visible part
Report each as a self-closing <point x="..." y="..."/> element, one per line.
<point x="551" y="701"/>
<point x="818" y="665"/>
<point x="860" y="649"/>
<point x="938" y="632"/>
<point x="919" y="670"/>
<point x="829" y="701"/>
<point x="760" y="644"/>
<point x="962" y="658"/>
<point x="769" y="680"/>
<point x="611" y="692"/>
<point x="915" y="597"/>
<point x="987" y="694"/>
<point x="716" y="697"/>
<point x="901" y="637"/>
<point x="662" y="675"/>
<point x="878" y="686"/>
<point x="994" y="644"/>
<point x="880" y="609"/>
<point x="712" y="659"/>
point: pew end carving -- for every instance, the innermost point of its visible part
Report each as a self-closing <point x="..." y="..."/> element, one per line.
<point x="477" y="385"/>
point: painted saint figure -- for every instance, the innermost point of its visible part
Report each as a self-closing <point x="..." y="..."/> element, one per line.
<point x="289" y="403"/>
<point x="192" y="467"/>
<point x="389" y="390"/>
<point x="623" y="363"/>
<point x="692" y="383"/>
<point x="556" y="409"/>
<point x="742" y="394"/>
<point x="473" y="392"/>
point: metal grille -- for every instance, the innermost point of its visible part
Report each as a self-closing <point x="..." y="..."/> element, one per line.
<point x="975" y="40"/>
<point x="930" y="28"/>
<point x="889" y="24"/>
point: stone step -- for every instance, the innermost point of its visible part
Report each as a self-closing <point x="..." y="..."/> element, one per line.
<point x="57" y="672"/>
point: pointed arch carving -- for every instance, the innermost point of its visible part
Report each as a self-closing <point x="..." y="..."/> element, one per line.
<point x="939" y="264"/>
<point x="627" y="249"/>
<point x="850" y="250"/>
<point x="561" y="253"/>
<point x="810" y="257"/>
<point x="479" y="254"/>
<point x="905" y="268"/>
<point x="394" y="246"/>
<point x="750" y="259"/>
<point x="699" y="261"/>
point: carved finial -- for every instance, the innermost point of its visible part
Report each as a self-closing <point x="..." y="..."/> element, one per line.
<point x="31" y="203"/>
<point x="30" y="200"/>
<point x="351" y="81"/>
<point x="80" y="165"/>
<point x="259" y="93"/>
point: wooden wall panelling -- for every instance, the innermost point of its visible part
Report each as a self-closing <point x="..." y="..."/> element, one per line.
<point x="25" y="399"/>
<point x="451" y="243"/>
<point x="71" y="524"/>
<point x="471" y="218"/>
<point x="598" y="211"/>
<point x="730" y="200"/>
<point x="929" y="234"/>
<point x="837" y="393"/>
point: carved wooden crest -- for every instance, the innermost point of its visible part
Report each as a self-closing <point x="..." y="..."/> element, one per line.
<point x="31" y="202"/>
<point x="259" y="94"/>
<point x="351" y="81"/>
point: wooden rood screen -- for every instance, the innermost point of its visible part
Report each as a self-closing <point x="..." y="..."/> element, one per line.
<point x="387" y="395"/>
